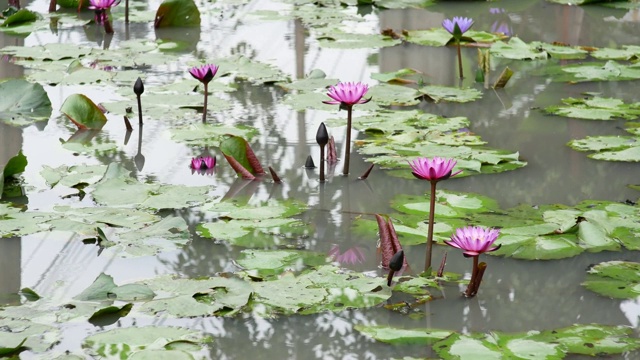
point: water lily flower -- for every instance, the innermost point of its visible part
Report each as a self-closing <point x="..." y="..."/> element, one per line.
<point x="204" y="74"/>
<point x="101" y="8"/>
<point x="203" y="162"/>
<point x="463" y="24"/>
<point x="473" y="241"/>
<point x="457" y="27"/>
<point x="347" y="94"/>
<point x="432" y="170"/>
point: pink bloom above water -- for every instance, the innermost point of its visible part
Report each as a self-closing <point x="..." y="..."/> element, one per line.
<point x="103" y="4"/>
<point x="435" y="169"/>
<point x="463" y="23"/>
<point x="203" y="162"/>
<point x="351" y="256"/>
<point x="474" y="240"/>
<point x="348" y="93"/>
<point x="204" y="73"/>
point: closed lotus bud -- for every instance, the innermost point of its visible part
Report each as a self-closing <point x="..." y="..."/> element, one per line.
<point x="138" y="87"/>
<point x="322" y="136"/>
<point x="396" y="261"/>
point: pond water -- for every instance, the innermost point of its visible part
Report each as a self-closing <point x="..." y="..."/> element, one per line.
<point x="516" y="296"/>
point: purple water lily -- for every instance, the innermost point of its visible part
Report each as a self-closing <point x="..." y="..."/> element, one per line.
<point x="473" y="241"/>
<point x="432" y="170"/>
<point x="347" y="94"/>
<point x="457" y="27"/>
<point x="463" y="23"/>
<point x="204" y="74"/>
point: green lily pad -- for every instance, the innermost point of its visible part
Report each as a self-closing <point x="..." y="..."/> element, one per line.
<point x="615" y="279"/>
<point x="628" y="52"/>
<point x="392" y="335"/>
<point x="611" y="148"/>
<point x="38" y="337"/>
<point x="50" y="52"/>
<point x="596" y="108"/>
<point x="103" y="289"/>
<point x="592" y="339"/>
<point x="610" y="71"/>
<point x="72" y="175"/>
<point x="20" y="17"/>
<point x="447" y="93"/>
<point x="15" y="165"/>
<point x="266" y="263"/>
<point x="256" y="226"/>
<point x="110" y="314"/>
<point x="197" y="297"/>
<point x="441" y="37"/>
<point x="83" y="112"/>
<point x="124" y="343"/>
<point x="321" y="289"/>
<point x="23" y="103"/>
<point x="176" y="13"/>
<point x="244" y="68"/>
<point x="402" y="76"/>
<point x="518" y="50"/>
<point x="341" y="40"/>
<point x="558" y="51"/>
<point x="210" y="134"/>
<point x="118" y="189"/>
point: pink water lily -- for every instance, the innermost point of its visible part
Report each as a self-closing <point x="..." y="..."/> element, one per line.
<point x="463" y="23"/>
<point x="102" y="4"/>
<point x="348" y="94"/>
<point x="204" y="73"/>
<point x="203" y="162"/>
<point x="474" y="240"/>
<point x="434" y="169"/>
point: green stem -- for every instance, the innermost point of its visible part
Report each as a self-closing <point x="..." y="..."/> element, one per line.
<point x="432" y="208"/>
<point x="347" y="152"/>
<point x="206" y="95"/>
<point x="460" y="61"/>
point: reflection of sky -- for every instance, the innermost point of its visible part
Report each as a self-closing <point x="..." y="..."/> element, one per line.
<point x="631" y="309"/>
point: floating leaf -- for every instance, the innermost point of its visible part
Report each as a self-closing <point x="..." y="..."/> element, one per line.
<point x="615" y="279"/>
<point x="596" y="108"/>
<point x="209" y="134"/>
<point x="441" y="37"/>
<point x="124" y="343"/>
<point x="23" y="103"/>
<point x="15" y="165"/>
<point x="402" y="76"/>
<point x="518" y="50"/>
<point x="103" y="288"/>
<point x="110" y="314"/>
<point x="38" y="337"/>
<point x="266" y="263"/>
<point x="177" y="13"/>
<point x="20" y="17"/>
<point x="72" y="175"/>
<point x="447" y="93"/>
<point x="83" y="112"/>
<point x="611" y="148"/>
<point x="398" y="336"/>
<point x="592" y="339"/>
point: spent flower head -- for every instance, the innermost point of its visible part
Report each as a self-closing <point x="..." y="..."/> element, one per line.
<point x="474" y="240"/>
<point x="434" y="169"/>
<point x="204" y="73"/>
<point x="463" y="23"/>
<point x="348" y="94"/>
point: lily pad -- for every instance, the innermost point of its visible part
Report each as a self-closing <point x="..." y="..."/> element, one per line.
<point x="441" y="37"/>
<point x="23" y="103"/>
<point x="20" y="17"/>
<point x="611" y="148"/>
<point x="266" y="263"/>
<point x="610" y="71"/>
<point x="615" y="279"/>
<point x="592" y="339"/>
<point x="72" y="175"/>
<point x="398" y="336"/>
<point x="18" y="333"/>
<point x="596" y="108"/>
<point x="176" y="13"/>
<point x="126" y="342"/>
<point x="104" y="289"/>
<point x="447" y="93"/>
<point x="518" y="50"/>
<point x="210" y="134"/>
<point x="83" y="112"/>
